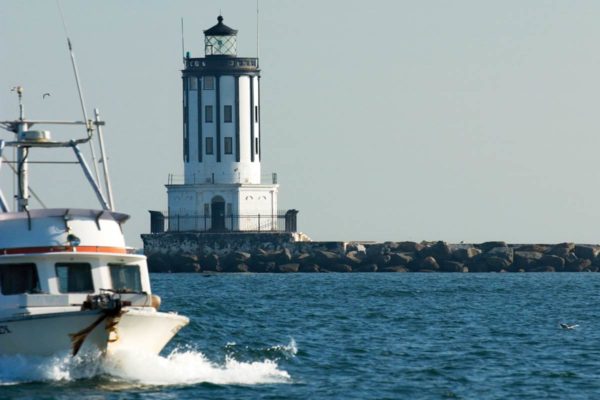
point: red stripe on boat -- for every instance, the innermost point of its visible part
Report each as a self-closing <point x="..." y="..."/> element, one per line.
<point x="61" y="249"/>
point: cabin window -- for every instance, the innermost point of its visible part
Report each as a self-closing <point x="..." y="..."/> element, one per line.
<point x="74" y="278"/>
<point x="125" y="278"/>
<point x="19" y="278"/>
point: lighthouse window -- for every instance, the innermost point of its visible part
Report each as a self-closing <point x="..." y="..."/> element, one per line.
<point x="209" y="83"/>
<point x="227" y="114"/>
<point x="228" y="145"/>
<point x="208" y="114"/>
<point x="74" y="278"/>
<point x="193" y="83"/>
<point x="256" y="113"/>
<point x="19" y="278"/>
<point x="256" y="144"/>
<point x="209" y="145"/>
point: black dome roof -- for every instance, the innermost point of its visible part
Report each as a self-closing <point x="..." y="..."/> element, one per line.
<point x="220" y="29"/>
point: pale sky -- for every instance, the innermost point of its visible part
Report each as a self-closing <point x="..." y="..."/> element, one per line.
<point x="385" y="120"/>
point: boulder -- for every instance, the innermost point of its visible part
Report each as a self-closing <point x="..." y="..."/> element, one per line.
<point x="487" y="246"/>
<point x="382" y="260"/>
<point x="578" y="265"/>
<point x="526" y="259"/>
<point x="366" y="268"/>
<point x="562" y="249"/>
<point x="571" y="258"/>
<point x="353" y="258"/>
<point x="326" y="258"/>
<point x="287" y="268"/>
<point x="586" y="251"/>
<point x="478" y="265"/>
<point x="408" y="247"/>
<point x="429" y="263"/>
<point x="401" y="258"/>
<point x="302" y="258"/>
<point x="210" y="262"/>
<point x="309" y="268"/>
<point x="451" y="266"/>
<point x="540" y="248"/>
<point x="439" y="250"/>
<point x="262" y="266"/>
<point x="157" y="263"/>
<point x="375" y="250"/>
<point x="463" y="254"/>
<point x="501" y="252"/>
<point x="553" y="261"/>
<point x="496" y="264"/>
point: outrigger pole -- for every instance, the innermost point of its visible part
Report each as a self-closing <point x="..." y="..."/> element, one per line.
<point x="88" y="125"/>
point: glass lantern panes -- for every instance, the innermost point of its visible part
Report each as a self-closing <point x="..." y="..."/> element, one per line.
<point x="220" y="45"/>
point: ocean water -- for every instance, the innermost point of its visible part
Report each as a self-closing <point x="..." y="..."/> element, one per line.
<point x="349" y="336"/>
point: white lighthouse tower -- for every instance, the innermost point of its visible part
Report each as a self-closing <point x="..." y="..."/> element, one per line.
<point x="222" y="188"/>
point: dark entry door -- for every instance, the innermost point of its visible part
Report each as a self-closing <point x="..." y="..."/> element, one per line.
<point x="217" y="214"/>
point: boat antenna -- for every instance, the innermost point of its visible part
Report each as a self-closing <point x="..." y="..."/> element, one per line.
<point x="88" y="123"/>
<point x="182" y="43"/>
<point x="257" y="32"/>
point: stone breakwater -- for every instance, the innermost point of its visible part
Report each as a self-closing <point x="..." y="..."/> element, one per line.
<point x="287" y="256"/>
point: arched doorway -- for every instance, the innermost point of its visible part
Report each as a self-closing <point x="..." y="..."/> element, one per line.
<point x="217" y="214"/>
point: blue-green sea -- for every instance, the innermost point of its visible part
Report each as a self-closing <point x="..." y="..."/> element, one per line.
<point x="349" y="336"/>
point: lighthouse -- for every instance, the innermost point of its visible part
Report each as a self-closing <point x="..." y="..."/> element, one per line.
<point x="222" y="188"/>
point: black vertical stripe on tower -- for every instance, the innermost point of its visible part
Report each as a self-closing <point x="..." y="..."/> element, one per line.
<point x="199" y="86"/>
<point x="237" y="119"/>
<point x="218" y="116"/>
<point x="186" y="125"/>
<point x="252" y="119"/>
<point x="259" y="120"/>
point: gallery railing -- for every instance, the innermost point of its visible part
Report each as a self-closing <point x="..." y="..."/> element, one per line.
<point x="281" y="222"/>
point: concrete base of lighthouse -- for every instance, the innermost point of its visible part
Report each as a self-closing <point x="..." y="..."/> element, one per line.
<point x="223" y="207"/>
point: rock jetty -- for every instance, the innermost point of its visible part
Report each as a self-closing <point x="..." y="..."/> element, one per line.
<point x="312" y="257"/>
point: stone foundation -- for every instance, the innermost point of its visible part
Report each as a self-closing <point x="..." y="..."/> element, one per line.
<point x="290" y="252"/>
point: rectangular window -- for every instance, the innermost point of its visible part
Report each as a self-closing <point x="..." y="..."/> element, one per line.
<point x="255" y="113"/>
<point x="74" y="278"/>
<point x="209" y="145"/>
<point x="228" y="145"/>
<point x="227" y="114"/>
<point x="19" y="278"/>
<point x="256" y="142"/>
<point x="209" y="83"/>
<point x="125" y="278"/>
<point x="193" y="83"/>
<point x="208" y="114"/>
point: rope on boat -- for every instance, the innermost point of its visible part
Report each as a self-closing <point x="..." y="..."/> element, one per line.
<point x="111" y="312"/>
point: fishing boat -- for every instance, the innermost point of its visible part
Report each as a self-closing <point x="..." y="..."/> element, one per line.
<point x="68" y="282"/>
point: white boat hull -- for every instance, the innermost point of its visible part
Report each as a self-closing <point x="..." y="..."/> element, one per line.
<point x="136" y="329"/>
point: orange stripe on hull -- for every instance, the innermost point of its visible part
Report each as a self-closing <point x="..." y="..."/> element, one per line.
<point x="62" y="249"/>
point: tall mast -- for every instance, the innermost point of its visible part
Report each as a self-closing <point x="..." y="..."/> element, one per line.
<point x="22" y="153"/>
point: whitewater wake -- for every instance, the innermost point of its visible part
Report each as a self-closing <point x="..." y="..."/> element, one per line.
<point x="180" y="367"/>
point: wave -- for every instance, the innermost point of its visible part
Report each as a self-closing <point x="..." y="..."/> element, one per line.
<point x="180" y="367"/>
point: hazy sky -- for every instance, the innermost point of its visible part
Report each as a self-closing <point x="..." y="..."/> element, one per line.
<point x="385" y="120"/>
